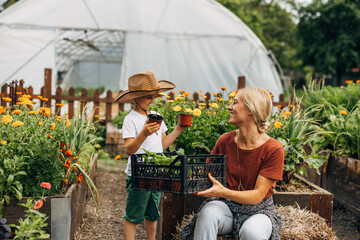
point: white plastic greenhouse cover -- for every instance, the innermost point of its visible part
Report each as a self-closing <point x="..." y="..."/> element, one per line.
<point x="197" y="44"/>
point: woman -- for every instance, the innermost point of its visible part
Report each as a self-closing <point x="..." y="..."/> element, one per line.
<point x="244" y="208"/>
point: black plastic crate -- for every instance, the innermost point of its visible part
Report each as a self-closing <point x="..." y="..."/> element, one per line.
<point x="187" y="174"/>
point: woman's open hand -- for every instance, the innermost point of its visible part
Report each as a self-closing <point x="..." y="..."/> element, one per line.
<point x="216" y="190"/>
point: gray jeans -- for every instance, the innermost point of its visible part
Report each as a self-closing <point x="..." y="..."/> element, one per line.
<point x="216" y="218"/>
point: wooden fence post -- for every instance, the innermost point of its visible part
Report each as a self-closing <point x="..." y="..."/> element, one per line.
<point x="96" y="105"/>
<point x="109" y="100"/>
<point x="71" y="102"/>
<point x="47" y="86"/>
<point x="241" y="82"/>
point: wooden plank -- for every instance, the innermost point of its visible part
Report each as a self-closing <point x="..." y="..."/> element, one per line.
<point x="47" y="86"/>
<point x="58" y="101"/>
<point x="170" y="215"/>
<point x="323" y="205"/>
<point x="71" y="103"/>
<point x="108" y="105"/>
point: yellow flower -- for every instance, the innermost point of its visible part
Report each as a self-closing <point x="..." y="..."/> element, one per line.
<point x="17" y="111"/>
<point x="214" y="105"/>
<point x="343" y="112"/>
<point x="17" y="123"/>
<point x="40" y="123"/>
<point x="6" y="119"/>
<point x="232" y="94"/>
<point x="68" y="123"/>
<point x="2" y="109"/>
<point x="6" y="99"/>
<point x="177" y="108"/>
<point x="168" y="97"/>
<point x="277" y="124"/>
<point x="3" y="142"/>
<point x="53" y="125"/>
<point x="287" y="113"/>
<point x="197" y="112"/>
<point x="188" y="110"/>
<point x="202" y="104"/>
<point x="162" y="94"/>
<point x="33" y="112"/>
<point x="170" y="101"/>
<point x="117" y="157"/>
<point x="177" y="98"/>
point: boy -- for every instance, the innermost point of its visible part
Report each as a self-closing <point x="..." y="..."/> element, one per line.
<point x="139" y="134"/>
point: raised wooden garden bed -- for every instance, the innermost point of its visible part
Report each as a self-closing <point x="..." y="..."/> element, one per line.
<point x="65" y="212"/>
<point x="319" y="201"/>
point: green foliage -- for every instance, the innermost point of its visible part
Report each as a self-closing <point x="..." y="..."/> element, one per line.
<point x="207" y="126"/>
<point x="294" y="128"/>
<point x="330" y="34"/>
<point x="31" y="227"/>
<point x="158" y="158"/>
<point x="118" y="120"/>
<point x="273" y="24"/>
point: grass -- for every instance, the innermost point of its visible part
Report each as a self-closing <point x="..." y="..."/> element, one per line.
<point x="109" y="164"/>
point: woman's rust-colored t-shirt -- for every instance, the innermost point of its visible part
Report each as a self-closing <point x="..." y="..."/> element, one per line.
<point x="266" y="160"/>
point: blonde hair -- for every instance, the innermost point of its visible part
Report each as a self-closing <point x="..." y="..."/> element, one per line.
<point x="259" y="102"/>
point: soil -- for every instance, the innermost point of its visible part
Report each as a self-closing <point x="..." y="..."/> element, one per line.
<point x="109" y="223"/>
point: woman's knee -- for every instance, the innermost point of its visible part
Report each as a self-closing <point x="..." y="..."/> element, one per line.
<point x="256" y="227"/>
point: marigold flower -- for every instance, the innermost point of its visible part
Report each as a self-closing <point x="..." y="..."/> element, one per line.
<point x="223" y="88"/>
<point x="357" y="81"/>
<point x="277" y="125"/>
<point x="287" y="113"/>
<point x="3" y="142"/>
<point x="163" y="94"/>
<point x="188" y="110"/>
<point x="80" y="178"/>
<point x="177" y="108"/>
<point x="68" y="123"/>
<point x="170" y="101"/>
<point x="49" y="135"/>
<point x="187" y="94"/>
<point x="45" y="185"/>
<point x="40" y="123"/>
<point x="232" y="94"/>
<point x="18" y="93"/>
<point x="38" y="204"/>
<point x="197" y="112"/>
<point x="279" y="107"/>
<point x="214" y="105"/>
<point x="181" y="91"/>
<point x="349" y="81"/>
<point x="117" y="157"/>
<point x="2" y="109"/>
<point x="6" y="119"/>
<point x="6" y="99"/>
<point x="33" y="112"/>
<point x="45" y="99"/>
<point x="17" y="111"/>
<point x="96" y="115"/>
<point x="17" y="123"/>
<point x="123" y="145"/>
<point x="53" y="125"/>
<point x="200" y="90"/>
<point x="343" y="112"/>
<point x="68" y="153"/>
<point x="59" y="104"/>
<point x="66" y="181"/>
<point x="202" y="104"/>
<point x="215" y="94"/>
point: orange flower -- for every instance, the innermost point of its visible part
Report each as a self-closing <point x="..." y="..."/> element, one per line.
<point x="66" y="181"/>
<point x="181" y="91"/>
<point x="49" y="135"/>
<point x="45" y="185"/>
<point x="40" y="123"/>
<point x="6" y="99"/>
<point x="357" y="81"/>
<point x="53" y="125"/>
<point x="17" y="123"/>
<point x="68" y="153"/>
<point x="59" y="104"/>
<point x="6" y="119"/>
<point x="18" y="93"/>
<point x="17" y="111"/>
<point x="80" y="178"/>
<point x="38" y="204"/>
<point x="215" y="94"/>
<point x="68" y="123"/>
<point x="200" y="90"/>
<point x="3" y="142"/>
<point x="45" y="99"/>
<point x="33" y="112"/>
<point x="2" y="109"/>
<point x="343" y="112"/>
<point x="349" y="81"/>
<point x="223" y="88"/>
<point x="117" y="157"/>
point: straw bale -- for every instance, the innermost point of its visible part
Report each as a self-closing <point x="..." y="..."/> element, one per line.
<point x="299" y="224"/>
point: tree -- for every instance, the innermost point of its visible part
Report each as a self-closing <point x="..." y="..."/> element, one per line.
<point x="330" y="34"/>
<point x="273" y="24"/>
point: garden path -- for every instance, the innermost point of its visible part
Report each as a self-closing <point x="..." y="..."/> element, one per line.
<point x="110" y="181"/>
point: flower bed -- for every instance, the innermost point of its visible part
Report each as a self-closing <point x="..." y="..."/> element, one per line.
<point x="65" y="211"/>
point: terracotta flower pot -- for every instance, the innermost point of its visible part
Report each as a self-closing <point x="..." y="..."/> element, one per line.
<point x="155" y="118"/>
<point x="185" y="120"/>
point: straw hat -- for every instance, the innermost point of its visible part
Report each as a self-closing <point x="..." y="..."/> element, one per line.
<point x="143" y="84"/>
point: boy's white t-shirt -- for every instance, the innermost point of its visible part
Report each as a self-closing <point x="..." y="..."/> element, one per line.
<point x="132" y="126"/>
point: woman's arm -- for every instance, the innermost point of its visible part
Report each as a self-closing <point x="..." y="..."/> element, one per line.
<point x="253" y="197"/>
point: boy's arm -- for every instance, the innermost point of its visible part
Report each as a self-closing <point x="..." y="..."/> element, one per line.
<point x="133" y="144"/>
<point x="167" y="140"/>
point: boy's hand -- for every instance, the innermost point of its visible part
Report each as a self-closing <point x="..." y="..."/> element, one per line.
<point x="150" y="128"/>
